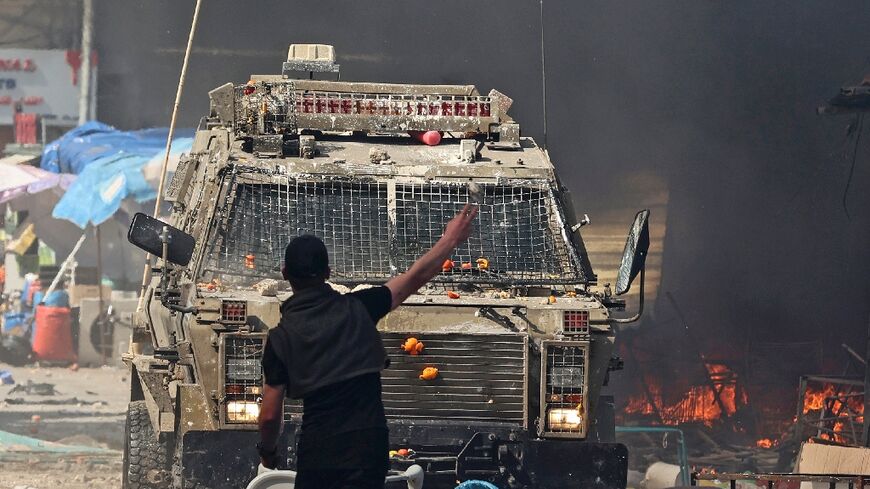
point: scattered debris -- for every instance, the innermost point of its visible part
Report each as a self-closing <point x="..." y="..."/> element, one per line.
<point x="82" y="441"/>
<point x="6" y="377"/>
<point x="213" y="285"/>
<point x="35" y="389"/>
<point x="378" y="155"/>
<point x="475" y="193"/>
<point x="402" y="453"/>
<point x="15" y="350"/>
<point x="18" y="401"/>
<point x="270" y="287"/>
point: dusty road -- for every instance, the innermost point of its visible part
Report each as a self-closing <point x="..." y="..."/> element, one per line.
<point x="83" y="472"/>
<point x="81" y="411"/>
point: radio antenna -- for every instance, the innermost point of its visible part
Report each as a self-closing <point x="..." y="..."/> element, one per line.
<point x="543" y="76"/>
<point x="146" y="275"/>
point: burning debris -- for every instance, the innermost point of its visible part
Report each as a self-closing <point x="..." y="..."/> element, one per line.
<point x="832" y="410"/>
<point x="704" y="404"/>
<point x="738" y="418"/>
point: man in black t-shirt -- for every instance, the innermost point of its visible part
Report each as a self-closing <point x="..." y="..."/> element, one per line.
<point x="327" y="351"/>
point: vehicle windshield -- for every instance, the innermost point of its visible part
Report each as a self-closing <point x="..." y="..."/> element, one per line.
<point x="519" y="237"/>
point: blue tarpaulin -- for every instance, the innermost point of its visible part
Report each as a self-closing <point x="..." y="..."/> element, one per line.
<point x="109" y="166"/>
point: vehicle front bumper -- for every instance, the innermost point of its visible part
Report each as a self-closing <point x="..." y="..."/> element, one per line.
<point x="446" y="451"/>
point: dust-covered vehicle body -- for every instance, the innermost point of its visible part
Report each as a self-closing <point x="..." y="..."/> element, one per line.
<point x="521" y="343"/>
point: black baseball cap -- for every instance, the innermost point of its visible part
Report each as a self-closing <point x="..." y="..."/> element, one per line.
<point x="306" y="257"/>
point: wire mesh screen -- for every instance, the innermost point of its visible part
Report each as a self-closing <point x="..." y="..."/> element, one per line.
<point x="517" y="236"/>
<point x="262" y="217"/>
<point x="565" y="388"/>
<point x="243" y="377"/>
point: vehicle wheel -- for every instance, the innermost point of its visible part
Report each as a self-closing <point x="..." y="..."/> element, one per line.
<point x="146" y="459"/>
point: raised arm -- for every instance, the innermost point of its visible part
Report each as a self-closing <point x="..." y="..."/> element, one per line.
<point x="428" y="265"/>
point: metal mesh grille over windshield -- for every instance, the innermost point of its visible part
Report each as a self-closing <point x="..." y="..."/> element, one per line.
<point x="514" y="233"/>
<point x="371" y="236"/>
<point x="261" y="218"/>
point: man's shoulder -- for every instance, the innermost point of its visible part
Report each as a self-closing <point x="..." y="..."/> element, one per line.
<point x="367" y="290"/>
<point x="377" y="300"/>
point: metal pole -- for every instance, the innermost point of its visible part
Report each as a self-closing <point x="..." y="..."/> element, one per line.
<point x="543" y="76"/>
<point x="146" y="274"/>
<point x="102" y="303"/>
<point x="92" y="106"/>
<point x="66" y="264"/>
<point x="85" y="74"/>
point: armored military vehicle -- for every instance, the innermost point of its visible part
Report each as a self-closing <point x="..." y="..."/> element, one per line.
<point x="521" y="341"/>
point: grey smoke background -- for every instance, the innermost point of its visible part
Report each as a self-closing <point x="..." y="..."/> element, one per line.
<point x="717" y="98"/>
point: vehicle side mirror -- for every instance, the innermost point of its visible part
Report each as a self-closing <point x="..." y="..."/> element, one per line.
<point x="634" y="254"/>
<point x="145" y="232"/>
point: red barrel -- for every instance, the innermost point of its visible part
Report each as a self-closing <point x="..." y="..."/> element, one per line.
<point x="52" y="336"/>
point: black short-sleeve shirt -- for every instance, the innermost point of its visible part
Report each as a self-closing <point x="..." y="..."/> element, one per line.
<point x="338" y="413"/>
<point x="377" y="301"/>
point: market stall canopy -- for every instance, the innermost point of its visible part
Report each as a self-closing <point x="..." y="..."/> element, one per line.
<point x="17" y="180"/>
<point x="111" y="165"/>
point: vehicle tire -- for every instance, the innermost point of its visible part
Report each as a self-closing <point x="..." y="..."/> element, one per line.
<point x="146" y="460"/>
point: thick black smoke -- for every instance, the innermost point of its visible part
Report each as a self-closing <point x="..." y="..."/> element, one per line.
<point x="718" y="98"/>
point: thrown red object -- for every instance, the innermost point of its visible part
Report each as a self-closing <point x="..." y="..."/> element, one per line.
<point x="413" y="346"/>
<point x="447" y="265"/>
<point x="429" y="373"/>
<point x="452" y="295"/>
<point x="52" y="337"/>
<point x="431" y="138"/>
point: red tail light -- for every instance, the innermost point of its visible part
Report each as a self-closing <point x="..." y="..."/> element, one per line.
<point x="234" y="311"/>
<point x="576" y="322"/>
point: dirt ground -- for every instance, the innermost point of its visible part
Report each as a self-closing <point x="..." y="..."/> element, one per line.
<point x="82" y="472"/>
<point x="80" y="408"/>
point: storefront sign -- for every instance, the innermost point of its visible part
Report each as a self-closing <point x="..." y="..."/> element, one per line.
<point x="42" y="81"/>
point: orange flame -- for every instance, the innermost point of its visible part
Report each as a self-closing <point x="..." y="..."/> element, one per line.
<point x="836" y="402"/>
<point x="698" y="404"/>
<point x="766" y="443"/>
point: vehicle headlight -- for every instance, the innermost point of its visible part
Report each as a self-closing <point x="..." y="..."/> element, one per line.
<point x="563" y="388"/>
<point x="242" y="376"/>
<point x="243" y="411"/>
<point x="564" y="419"/>
<point x="243" y="368"/>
